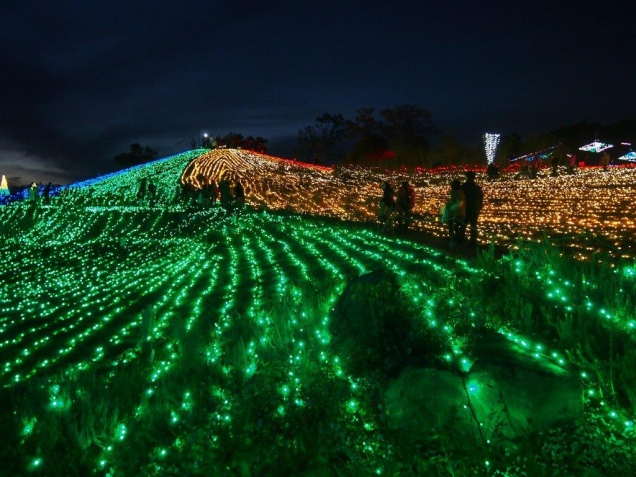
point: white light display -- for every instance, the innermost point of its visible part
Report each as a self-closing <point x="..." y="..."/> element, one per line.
<point x="596" y="147"/>
<point x="543" y="154"/>
<point x="491" y="141"/>
<point x="630" y="156"/>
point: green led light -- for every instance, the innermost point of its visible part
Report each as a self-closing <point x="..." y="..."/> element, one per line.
<point x="180" y="295"/>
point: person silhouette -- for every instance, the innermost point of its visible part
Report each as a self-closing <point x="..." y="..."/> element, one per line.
<point x="455" y="212"/>
<point x="474" y="203"/>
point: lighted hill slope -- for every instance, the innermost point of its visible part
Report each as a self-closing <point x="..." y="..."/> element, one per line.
<point x="590" y="211"/>
<point x="170" y="340"/>
<point x="122" y="186"/>
<point x="591" y="201"/>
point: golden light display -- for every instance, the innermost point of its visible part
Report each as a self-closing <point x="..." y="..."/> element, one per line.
<point x="593" y="202"/>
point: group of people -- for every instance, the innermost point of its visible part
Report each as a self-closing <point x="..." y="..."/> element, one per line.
<point x="147" y="192"/>
<point x="462" y="209"/>
<point x="34" y="192"/>
<point x="400" y="209"/>
<point x="231" y="196"/>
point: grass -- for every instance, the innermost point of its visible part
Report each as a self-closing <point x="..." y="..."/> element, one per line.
<point x="140" y="341"/>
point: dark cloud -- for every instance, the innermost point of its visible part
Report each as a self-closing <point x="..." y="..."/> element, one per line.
<point x="83" y="80"/>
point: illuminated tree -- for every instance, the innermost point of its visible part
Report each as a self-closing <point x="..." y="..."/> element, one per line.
<point x="4" y="187"/>
<point x="491" y="141"/>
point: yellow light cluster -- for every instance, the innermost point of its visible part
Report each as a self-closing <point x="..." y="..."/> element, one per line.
<point x="565" y="206"/>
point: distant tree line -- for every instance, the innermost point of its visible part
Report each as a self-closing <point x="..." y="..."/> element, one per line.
<point x="137" y="155"/>
<point x="403" y="136"/>
<point x="238" y="141"/>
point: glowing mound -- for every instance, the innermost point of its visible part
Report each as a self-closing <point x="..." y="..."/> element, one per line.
<point x="282" y="184"/>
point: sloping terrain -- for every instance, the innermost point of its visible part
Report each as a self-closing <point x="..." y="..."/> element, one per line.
<point x="175" y="339"/>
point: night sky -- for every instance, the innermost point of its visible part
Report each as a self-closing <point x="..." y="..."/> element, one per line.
<point x="82" y="80"/>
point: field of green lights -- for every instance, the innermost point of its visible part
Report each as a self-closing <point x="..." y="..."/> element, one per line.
<point x="176" y="341"/>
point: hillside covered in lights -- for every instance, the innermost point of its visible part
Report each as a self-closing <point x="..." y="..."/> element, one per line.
<point x="294" y="338"/>
<point x="590" y="211"/>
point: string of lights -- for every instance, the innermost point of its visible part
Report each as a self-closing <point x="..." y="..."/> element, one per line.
<point x="95" y="280"/>
<point x="491" y="141"/>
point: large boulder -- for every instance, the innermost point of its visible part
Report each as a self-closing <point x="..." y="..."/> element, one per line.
<point x="423" y="401"/>
<point x="371" y="322"/>
<point x="377" y="325"/>
<point x="364" y="306"/>
<point x="517" y="391"/>
<point x="507" y="391"/>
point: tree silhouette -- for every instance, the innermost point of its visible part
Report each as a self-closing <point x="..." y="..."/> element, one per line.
<point x="319" y="143"/>
<point x="408" y="129"/>
<point x="450" y="150"/>
<point x="370" y="143"/>
<point x="236" y="141"/>
<point x="137" y="155"/>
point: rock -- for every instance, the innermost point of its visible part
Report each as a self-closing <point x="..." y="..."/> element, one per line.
<point x="521" y="392"/>
<point x="423" y="401"/>
<point x="369" y="321"/>
<point x="361" y="310"/>
<point x="507" y="390"/>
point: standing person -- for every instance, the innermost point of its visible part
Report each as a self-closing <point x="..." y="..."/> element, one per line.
<point x="152" y="193"/>
<point x="605" y="160"/>
<point x="523" y="170"/>
<point x="226" y="195"/>
<point x="474" y="203"/>
<point x="33" y="192"/>
<point x="387" y="204"/>
<point x="455" y="211"/>
<point x="47" y="193"/>
<point x="211" y="193"/>
<point x="536" y="164"/>
<point x="555" y="160"/>
<point x="239" y="196"/>
<point x="492" y="171"/>
<point x="572" y="164"/>
<point x="141" y="193"/>
<point x="405" y="204"/>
